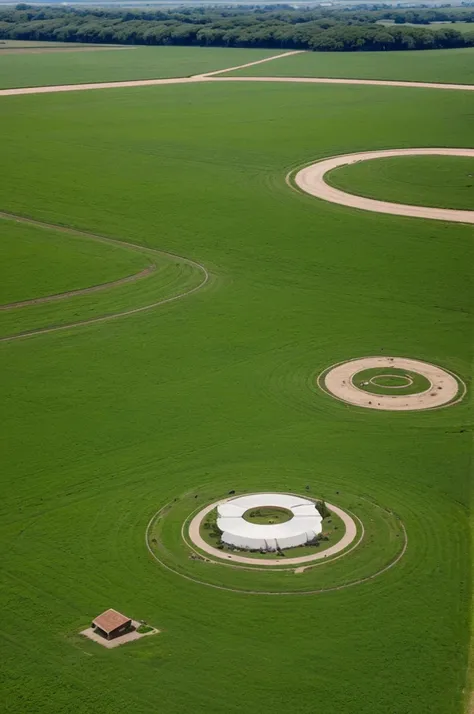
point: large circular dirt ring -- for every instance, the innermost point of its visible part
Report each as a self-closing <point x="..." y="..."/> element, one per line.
<point x="199" y="542"/>
<point x="445" y="388"/>
<point x="311" y="180"/>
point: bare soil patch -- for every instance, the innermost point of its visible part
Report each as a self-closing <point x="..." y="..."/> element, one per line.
<point x="131" y="636"/>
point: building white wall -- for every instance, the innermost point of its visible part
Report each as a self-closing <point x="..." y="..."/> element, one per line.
<point x="305" y="525"/>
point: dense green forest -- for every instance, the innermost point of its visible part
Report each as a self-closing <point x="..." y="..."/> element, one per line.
<point x="265" y="27"/>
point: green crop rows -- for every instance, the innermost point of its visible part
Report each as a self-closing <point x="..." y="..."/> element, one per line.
<point x="455" y="66"/>
<point x="107" y="424"/>
<point x="90" y="64"/>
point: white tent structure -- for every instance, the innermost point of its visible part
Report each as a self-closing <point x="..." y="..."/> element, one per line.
<point x="301" y="528"/>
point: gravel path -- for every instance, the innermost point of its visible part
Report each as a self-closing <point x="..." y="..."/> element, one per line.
<point x="311" y="180"/>
<point x="333" y="80"/>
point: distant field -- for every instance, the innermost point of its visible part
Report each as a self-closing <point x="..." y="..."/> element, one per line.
<point x="13" y="45"/>
<point x="460" y="26"/>
<point x="74" y="67"/>
<point x="451" y="66"/>
<point x="439" y="181"/>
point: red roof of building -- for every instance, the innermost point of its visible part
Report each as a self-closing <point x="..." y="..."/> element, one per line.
<point x="110" y="620"/>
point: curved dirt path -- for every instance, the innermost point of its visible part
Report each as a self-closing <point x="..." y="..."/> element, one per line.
<point x="195" y="537"/>
<point x="112" y="241"/>
<point x="81" y="291"/>
<point x="311" y="180"/>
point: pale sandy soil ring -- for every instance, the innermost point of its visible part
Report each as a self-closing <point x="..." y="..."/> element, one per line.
<point x="346" y="540"/>
<point x="445" y="388"/>
<point x="311" y="179"/>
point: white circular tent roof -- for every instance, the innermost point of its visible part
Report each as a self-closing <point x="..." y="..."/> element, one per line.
<point x="236" y="531"/>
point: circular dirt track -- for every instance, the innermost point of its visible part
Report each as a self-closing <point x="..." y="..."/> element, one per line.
<point x="199" y="542"/>
<point x="311" y="180"/>
<point x="444" y="388"/>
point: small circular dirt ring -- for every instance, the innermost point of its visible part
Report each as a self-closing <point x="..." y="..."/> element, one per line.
<point x="446" y="388"/>
<point x="195" y="538"/>
<point x="372" y="380"/>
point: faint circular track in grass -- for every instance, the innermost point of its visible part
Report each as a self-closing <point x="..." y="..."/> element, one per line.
<point x="196" y="267"/>
<point x="311" y="179"/>
<point x="388" y="381"/>
<point x="381" y="543"/>
<point x="391" y="381"/>
<point x="431" y="386"/>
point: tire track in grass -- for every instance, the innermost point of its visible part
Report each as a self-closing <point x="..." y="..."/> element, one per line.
<point x="111" y="241"/>
<point x="81" y="291"/>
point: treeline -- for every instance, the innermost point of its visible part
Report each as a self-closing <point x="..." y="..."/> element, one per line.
<point x="425" y="16"/>
<point x="270" y="27"/>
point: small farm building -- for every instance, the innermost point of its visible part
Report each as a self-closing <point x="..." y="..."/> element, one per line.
<point x="111" y="624"/>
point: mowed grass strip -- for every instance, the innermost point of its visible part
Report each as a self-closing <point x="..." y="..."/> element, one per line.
<point x="118" y="64"/>
<point x="169" y="278"/>
<point x="448" y="66"/>
<point x="38" y="262"/>
<point x="438" y="181"/>
<point x="108" y="423"/>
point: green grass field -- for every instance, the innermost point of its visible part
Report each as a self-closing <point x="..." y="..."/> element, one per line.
<point x="439" y="181"/>
<point x="449" y="66"/>
<point x="118" y="64"/>
<point x="107" y="424"/>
